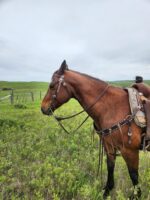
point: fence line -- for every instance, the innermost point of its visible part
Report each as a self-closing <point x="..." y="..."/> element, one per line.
<point x="23" y="97"/>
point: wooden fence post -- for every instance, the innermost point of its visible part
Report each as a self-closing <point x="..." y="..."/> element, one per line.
<point x="32" y="96"/>
<point x="12" y="97"/>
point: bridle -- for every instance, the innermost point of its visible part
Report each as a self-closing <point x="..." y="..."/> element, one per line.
<point x="61" y="82"/>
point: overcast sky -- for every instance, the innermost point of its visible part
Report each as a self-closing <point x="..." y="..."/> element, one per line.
<point x="109" y="39"/>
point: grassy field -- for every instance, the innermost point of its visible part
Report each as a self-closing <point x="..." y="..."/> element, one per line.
<point x="39" y="161"/>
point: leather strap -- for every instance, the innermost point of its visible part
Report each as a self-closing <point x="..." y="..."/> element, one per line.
<point x="108" y="131"/>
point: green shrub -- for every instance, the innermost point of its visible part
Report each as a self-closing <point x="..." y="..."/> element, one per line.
<point x="20" y="106"/>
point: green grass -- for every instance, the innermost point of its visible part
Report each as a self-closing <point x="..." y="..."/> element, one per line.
<point x="29" y="86"/>
<point x="39" y="161"/>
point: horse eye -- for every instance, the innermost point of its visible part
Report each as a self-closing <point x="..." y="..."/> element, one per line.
<point x="51" y="86"/>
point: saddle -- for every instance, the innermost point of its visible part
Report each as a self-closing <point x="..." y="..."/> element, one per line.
<point x="136" y="107"/>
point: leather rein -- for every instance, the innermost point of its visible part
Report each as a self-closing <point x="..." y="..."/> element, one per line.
<point x="58" y="119"/>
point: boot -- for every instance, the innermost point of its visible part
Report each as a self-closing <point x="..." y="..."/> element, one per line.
<point x="147" y="113"/>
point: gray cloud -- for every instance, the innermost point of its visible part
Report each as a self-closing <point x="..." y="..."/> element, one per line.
<point x="106" y="38"/>
<point x="2" y="1"/>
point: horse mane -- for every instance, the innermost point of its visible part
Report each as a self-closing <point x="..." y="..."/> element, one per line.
<point x="89" y="77"/>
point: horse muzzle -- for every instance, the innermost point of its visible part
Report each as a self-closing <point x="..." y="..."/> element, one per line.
<point x="47" y="111"/>
<point x="44" y="111"/>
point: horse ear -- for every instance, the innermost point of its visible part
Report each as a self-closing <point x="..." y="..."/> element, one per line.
<point x="63" y="67"/>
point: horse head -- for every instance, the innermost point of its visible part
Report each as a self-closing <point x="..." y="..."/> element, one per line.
<point x="58" y="91"/>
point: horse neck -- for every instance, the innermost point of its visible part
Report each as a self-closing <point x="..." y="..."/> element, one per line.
<point x="110" y="107"/>
<point x="85" y="89"/>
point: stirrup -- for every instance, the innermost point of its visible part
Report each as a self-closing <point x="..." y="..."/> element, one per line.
<point x="147" y="144"/>
<point x="147" y="147"/>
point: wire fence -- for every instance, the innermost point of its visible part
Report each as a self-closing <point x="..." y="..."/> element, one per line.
<point x="15" y="97"/>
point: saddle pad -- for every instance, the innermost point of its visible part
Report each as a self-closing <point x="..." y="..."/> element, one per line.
<point x="136" y="106"/>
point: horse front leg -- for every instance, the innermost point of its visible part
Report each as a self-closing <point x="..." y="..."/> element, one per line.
<point x="132" y="160"/>
<point x="110" y="178"/>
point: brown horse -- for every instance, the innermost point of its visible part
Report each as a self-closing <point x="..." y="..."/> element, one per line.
<point x="109" y="108"/>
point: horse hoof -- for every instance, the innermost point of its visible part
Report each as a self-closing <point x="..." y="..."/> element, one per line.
<point x="106" y="193"/>
<point x="139" y="193"/>
<point x="105" y="197"/>
<point x="136" y="194"/>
